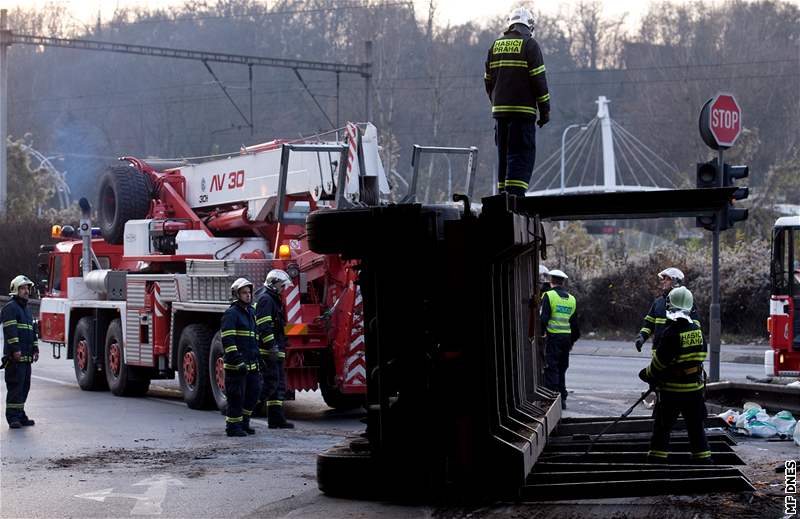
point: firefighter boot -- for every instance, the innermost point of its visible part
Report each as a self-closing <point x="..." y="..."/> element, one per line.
<point x="235" y="431"/>
<point x="246" y="426"/>
<point x="15" y="424"/>
<point x="27" y="422"/>
<point x="276" y="418"/>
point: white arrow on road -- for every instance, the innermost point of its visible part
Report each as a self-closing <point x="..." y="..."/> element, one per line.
<point x="148" y="503"/>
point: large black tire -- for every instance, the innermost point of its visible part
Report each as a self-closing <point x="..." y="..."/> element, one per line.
<point x="120" y="377"/>
<point x="194" y="347"/>
<point x="331" y="394"/>
<point x="124" y="195"/>
<point x="343" y="472"/>
<point x="330" y="231"/>
<point x="86" y="373"/>
<point x="216" y="374"/>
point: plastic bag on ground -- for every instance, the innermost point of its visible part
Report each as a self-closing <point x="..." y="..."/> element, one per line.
<point x="729" y="416"/>
<point x="754" y="421"/>
<point x="796" y="436"/>
<point x="784" y="422"/>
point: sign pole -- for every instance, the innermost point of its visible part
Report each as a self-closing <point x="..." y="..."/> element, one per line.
<point x="715" y="326"/>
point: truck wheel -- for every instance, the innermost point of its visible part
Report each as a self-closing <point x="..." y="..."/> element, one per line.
<point x="121" y="380"/>
<point x="89" y="379"/>
<point x="216" y="372"/>
<point x="334" y="398"/>
<point x="124" y="195"/>
<point x="330" y="231"/>
<point x="193" y="349"/>
<point x="343" y="472"/>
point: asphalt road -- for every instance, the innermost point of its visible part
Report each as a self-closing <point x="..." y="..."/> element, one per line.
<point x="96" y="455"/>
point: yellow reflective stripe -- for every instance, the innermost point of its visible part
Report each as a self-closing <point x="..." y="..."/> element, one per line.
<point x="657" y="363"/>
<point x="521" y="63"/>
<point x="661" y="320"/>
<point x="702" y="454"/>
<point x="265" y="319"/>
<point x="542" y="99"/>
<point x="9" y="323"/>
<point x="25" y="326"/>
<point x="230" y="349"/>
<point x="487" y="77"/>
<point x="700" y="356"/>
<point x="13" y="340"/>
<point x="268" y="338"/>
<point x="247" y="412"/>
<point x="517" y="183"/>
<point x="649" y="319"/>
<point x="15" y="406"/>
<point x="648" y="331"/>
<point x="252" y="367"/>
<point x="658" y="454"/>
<point x="510" y="108"/>
<point x="281" y="354"/>
<point x="233" y="366"/>
<point x="695" y="321"/>
<point x="262" y="351"/>
<point x="233" y="419"/>
<point x="228" y="333"/>
<point x="245" y="333"/>
<point x="274" y="402"/>
<point x="501" y="185"/>
<point x="536" y="71"/>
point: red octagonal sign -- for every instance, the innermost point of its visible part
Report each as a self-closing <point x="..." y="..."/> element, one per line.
<point x="721" y="121"/>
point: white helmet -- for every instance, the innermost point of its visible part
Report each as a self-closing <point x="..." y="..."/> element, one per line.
<point x="520" y="15"/>
<point x="277" y="280"/>
<point x="555" y="273"/>
<point x="238" y="285"/>
<point x="17" y="282"/>
<point x="675" y="274"/>
<point x="679" y="304"/>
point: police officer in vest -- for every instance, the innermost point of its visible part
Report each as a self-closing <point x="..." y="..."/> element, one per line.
<point x="242" y="378"/>
<point x="516" y="84"/>
<point x="656" y="318"/>
<point x="676" y="372"/>
<point x="20" y="349"/>
<point x="271" y="322"/>
<point x="560" y="322"/>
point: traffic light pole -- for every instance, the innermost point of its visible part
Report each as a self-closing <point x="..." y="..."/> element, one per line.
<point x="715" y="326"/>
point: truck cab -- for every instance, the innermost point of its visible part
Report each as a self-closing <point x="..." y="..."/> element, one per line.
<point x="784" y="319"/>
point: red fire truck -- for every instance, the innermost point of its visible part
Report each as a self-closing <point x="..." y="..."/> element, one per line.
<point x="784" y="305"/>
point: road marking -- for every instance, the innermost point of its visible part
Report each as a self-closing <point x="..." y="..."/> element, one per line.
<point x="54" y="381"/>
<point x="148" y="503"/>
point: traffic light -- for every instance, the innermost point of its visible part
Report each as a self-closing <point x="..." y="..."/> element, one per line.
<point x="707" y="174"/>
<point x="731" y="215"/>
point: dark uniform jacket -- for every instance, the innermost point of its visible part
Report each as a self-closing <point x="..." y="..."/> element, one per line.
<point x="515" y="77"/>
<point x="677" y="363"/>
<point x="271" y="322"/>
<point x="656" y="318"/>
<point x="18" y="330"/>
<point x="239" y="337"/>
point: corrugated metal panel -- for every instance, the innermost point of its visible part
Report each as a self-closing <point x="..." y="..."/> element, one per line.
<point x="169" y="290"/>
<point x="132" y="355"/>
<point x="136" y="292"/>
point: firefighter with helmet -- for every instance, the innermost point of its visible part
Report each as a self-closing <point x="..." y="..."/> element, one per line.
<point x="559" y="319"/>
<point x="20" y="349"/>
<point x="676" y="373"/>
<point x="517" y="88"/>
<point x="240" y="357"/>
<point x="653" y="323"/>
<point x="271" y="322"/>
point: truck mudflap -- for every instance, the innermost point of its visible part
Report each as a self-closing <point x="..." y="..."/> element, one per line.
<point x="456" y="406"/>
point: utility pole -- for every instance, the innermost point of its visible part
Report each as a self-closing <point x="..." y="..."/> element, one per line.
<point x="5" y="43"/>
<point x="715" y="326"/>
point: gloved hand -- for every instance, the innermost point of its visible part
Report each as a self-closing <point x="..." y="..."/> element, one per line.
<point x="544" y="118"/>
<point x="639" y="343"/>
<point x="644" y="377"/>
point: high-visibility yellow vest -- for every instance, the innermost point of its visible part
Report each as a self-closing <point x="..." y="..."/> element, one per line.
<point x="561" y="309"/>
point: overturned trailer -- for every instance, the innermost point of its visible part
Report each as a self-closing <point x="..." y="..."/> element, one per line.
<point x="457" y="409"/>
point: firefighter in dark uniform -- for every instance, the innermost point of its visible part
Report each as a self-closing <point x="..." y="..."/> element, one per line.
<point x="560" y="322"/>
<point x="676" y="373"/>
<point x="517" y="87"/>
<point x="20" y="349"/>
<point x="271" y="322"/>
<point x="656" y="318"/>
<point x="242" y="378"/>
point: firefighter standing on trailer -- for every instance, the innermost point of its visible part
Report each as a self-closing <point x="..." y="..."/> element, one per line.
<point x="242" y="379"/>
<point x="656" y="318"/>
<point x="560" y="321"/>
<point x="676" y="372"/>
<point x="271" y="322"/>
<point x="20" y="349"/>
<point x="517" y="87"/>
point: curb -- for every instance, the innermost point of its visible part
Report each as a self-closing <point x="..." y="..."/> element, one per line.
<point x="725" y="357"/>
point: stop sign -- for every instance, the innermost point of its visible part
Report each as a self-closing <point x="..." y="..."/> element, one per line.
<point x="721" y="121"/>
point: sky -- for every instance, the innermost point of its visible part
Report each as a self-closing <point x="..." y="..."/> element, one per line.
<point x="453" y="12"/>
